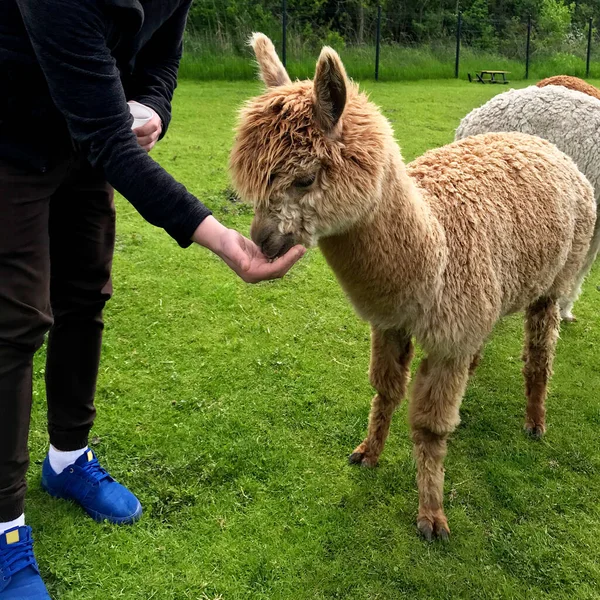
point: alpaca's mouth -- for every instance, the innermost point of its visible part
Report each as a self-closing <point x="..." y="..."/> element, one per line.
<point x="274" y="248"/>
<point x="271" y="243"/>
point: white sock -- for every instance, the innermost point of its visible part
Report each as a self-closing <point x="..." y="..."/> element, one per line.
<point x="18" y="522"/>
<point x="60" y="460"/>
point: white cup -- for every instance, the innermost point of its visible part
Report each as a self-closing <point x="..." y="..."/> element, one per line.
<point x="141" y="114"/>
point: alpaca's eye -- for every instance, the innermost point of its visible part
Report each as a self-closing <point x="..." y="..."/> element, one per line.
<point x="304" y="182"/>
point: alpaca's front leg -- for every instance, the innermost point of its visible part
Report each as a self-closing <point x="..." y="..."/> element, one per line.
<point x="433" y="413"/>
<point x="391" y="353"/>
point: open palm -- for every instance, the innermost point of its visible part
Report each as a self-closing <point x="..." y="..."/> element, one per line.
<point x="246" y="259"/>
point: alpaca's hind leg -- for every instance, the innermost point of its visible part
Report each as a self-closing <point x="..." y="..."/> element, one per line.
<point x="475" y="360"/>
<point x="433" y="413"/>
<point x="391" y="353"/>
<point x="542" y="322"/>
<point x="566" y="303"/>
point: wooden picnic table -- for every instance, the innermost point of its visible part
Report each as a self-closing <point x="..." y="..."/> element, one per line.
<point x="487" y="76"/>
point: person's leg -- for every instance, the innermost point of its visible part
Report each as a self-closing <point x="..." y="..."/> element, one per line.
<point x="24" y="319"/>
<point x="82" y="235"/>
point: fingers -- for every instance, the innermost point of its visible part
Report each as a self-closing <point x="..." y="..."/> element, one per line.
<point x="236" y="255"/>
<point x="146" y="138"/>
<point x="245" y="258"/>
<point x="148" y="128"/>
<point x="284" y="263"/>
<point x="148" y="134"/>
<point x="276" y="269"/>
<point x="147" y="144"/>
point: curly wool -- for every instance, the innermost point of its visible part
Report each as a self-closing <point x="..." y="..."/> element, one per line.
<point x="438" y="250"/>
<point x="460" y="239"/>
<point x="569" y="119"/>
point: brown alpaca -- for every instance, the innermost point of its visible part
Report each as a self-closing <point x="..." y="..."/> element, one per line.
<point x="573" y="83"/>
<point x="438" y="251"/>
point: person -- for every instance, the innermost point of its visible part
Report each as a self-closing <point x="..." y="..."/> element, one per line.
<point x="68" y="70"/>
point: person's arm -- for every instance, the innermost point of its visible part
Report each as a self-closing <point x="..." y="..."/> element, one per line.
<point x="241" y="254"/>
<point x="68" y="38"/>
<point x="154" y="77"/>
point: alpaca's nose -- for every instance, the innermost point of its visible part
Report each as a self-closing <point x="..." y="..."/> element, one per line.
<point x="271" y="243"/>
<point x="260" y="232"/>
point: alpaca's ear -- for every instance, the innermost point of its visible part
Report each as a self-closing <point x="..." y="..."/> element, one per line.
<point x="330" y="89"/>
<point x="272" y="72"/>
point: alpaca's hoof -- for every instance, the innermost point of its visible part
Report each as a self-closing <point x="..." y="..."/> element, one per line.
<point x="536" y="431"/>
<point x="434" y="527"/>
<point x="362" y="459"/>
<point x="568" y="317"/>
<point x="361" y="456"/>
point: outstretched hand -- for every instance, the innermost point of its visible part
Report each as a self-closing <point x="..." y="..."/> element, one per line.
<point x="242" y="255"/>
<point x="245" y="258"/>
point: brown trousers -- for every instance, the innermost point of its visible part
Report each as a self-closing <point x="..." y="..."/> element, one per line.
<point x="57" y="234"/>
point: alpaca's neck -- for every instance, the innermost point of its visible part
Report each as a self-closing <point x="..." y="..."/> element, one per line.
<point x="391" y="261"/>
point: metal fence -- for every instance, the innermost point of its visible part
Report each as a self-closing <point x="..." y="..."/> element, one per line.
<point x="374" y="43"/>
<point x="524" y="40"/>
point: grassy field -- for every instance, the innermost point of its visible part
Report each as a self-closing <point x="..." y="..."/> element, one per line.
<point x="230" y="410"/>
<point x="397" y="63"/>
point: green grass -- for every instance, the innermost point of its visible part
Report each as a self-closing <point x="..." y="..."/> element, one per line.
<point x="397" y="64"/>
<point x="230" y="410"/>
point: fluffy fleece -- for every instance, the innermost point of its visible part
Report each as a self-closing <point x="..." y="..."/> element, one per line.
<point x="572" y="83"/>
<point x="438" y="251"/>
<point x="570" y="119"/>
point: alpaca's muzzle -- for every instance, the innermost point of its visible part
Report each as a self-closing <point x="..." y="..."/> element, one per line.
<point x="267" y="237"/>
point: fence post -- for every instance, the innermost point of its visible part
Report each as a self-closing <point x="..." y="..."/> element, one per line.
<point x="528" y="47"/>
<point x="458" y="32"/>
<point x="378" y="43"/>
<point x="284" y="36"/>
<point x="589" y="50"/>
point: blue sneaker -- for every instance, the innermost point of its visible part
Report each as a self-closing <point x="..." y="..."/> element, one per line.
<point x="19" y="574"/>
<point x="88" y="484"/>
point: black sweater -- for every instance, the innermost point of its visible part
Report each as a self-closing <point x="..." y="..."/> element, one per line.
<point x="67" y="69"/>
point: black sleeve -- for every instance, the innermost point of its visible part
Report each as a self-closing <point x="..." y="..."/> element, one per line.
<point x="69" y="40"/>
<point x="154" y="78"/>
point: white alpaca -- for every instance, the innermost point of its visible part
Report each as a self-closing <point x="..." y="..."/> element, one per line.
<point x="565" y="117"/>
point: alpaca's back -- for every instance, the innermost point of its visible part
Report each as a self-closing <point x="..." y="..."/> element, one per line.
<point x="567" y="118"/>
<point x="573" y="83"/>
<point x="517" y="215"/>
